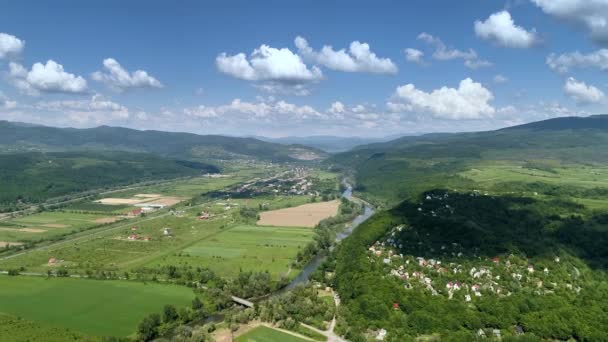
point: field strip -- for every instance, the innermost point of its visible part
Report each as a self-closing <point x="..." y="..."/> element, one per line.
<point x="92" y="235"/>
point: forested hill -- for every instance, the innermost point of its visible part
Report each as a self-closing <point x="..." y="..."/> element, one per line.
<point x="16" y="137"/>
<point x="33" y="177"/>
<point x="392" y="171"/>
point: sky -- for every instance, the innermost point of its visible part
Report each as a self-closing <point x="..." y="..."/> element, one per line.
<point x="302" y="68"/>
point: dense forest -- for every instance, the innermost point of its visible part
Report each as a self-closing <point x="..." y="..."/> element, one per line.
<point x="571" y="304"/>
<point x="16" y="137"/>
<point x="34" y="177"/>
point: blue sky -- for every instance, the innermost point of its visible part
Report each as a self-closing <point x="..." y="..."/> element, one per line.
<point x="234" y="67"/>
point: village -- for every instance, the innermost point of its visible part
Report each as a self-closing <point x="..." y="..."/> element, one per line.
<point x="296" y="181"/>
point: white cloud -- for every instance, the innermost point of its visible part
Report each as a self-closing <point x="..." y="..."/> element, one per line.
<point x="443" y="53"/>
<point x="500" y="79"/>
<point x="583" y="93"/>
<point x="49" y="77"/>
<point x="97" y="103"/>
<point x="6" y="103"/>
<point x="268" y="64"/>
<point x="589" y="14"/>
<point x="337" y="108"/>
<point x="263" y="109"/>
<point x="414" y="55"/>
<point x="119" y="79"/>
<point x="501" y="29"/>
<point x="10" y="45"/>
<point x="469" y="101"/>
<point x="563" y="63"/>
<point x="358" y="58"/>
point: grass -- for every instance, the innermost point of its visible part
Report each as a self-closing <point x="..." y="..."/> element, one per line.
<point x="70" y="222"/>
<point x="22" y="330"/>
<point x="247" y="248"/>
<point x="99" y="308"/>
<point x="265" y="334"/>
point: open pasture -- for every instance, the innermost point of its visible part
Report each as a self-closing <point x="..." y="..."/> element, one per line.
<point x="48" y="224"/>
<point x="246" y="247"/>
<point x="490" y="173"/>
<point x="306" y="215"/>
<point x="266" y="334"/>
<point x="92" y="307"/>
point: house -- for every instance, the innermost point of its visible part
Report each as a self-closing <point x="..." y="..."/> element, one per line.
<point x="204" y="215"/>
<point x="167" y="231"/>
<point x="496" y="333"/>
<point x="133" y="228"/>
<point x="147" y="238"/>
<point x="52" y="261"/>
<point x="135" y="212"/>
<point x="467" y="298"/>
<point x="496" y="260"/>
<point x="396" y="306"/>
<point x="530" y="269"/>
<point x="133" y="237"/>
<point x="481" y="333"/>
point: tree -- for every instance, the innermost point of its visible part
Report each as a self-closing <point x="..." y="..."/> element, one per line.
<point x="197" y="304"/>
<point x="169" y="313"/>
<point x="148" y="327"/>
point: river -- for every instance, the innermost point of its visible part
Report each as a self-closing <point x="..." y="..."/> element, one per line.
<point x="313" y="264"/>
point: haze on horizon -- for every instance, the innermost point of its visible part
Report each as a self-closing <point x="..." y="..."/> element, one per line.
<point x="277" y="69"/>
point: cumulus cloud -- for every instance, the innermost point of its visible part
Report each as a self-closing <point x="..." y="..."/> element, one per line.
<point x="264" y="109"/>
<point x="583" y="93"/>
<point x="443" y="53"/>
<point x="49" y="77"/>
<point x="500" y="79"/>
<point x="564" y="62"/>
<point x="592" y="15"/>
<point x="10" y="45"/>
<point x="119" y="79"/>
<point x="501" y="29"/>
<point x="414" y="55"/>
<point x="358" y="58"/>
<point x="96" y="110"/>
<point x="277" y="71"/>
<point x="469" y="101"/>
<point x="268" y="64"/>
<point x="337" y="108"/>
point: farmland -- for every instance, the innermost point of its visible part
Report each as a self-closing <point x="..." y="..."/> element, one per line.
<point x="82" y="305"/>
<point x="306" y="215"/>
<point x="265" y="334"/>
<point x="46" y="225"/>
<point x="245" y="247"/>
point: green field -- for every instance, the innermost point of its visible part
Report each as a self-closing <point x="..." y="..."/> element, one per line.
<point x="52" y="223"/>
<point x="23" y="330"/>
<point x="244" y="247"/>
<point x="100" y="308"/>
<point x="265" y="334"/>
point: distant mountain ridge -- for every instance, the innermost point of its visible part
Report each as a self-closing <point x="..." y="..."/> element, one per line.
<point x="328" y="143"/>
<point x="568" y="122"/>
<point x="19" y="137"/>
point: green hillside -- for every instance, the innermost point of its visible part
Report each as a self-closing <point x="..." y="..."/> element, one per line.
<point x="34" y="177"/>
<point x="389" y="172"/>
<point x="515" y="217"/>
<point x="18" y="138"/>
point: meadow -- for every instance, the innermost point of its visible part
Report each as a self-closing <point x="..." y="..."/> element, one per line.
<point x="48" y="224"/>
<point x="265" y="334"/>
<point x="84" y="305"/>
<point x="244" y="247"/>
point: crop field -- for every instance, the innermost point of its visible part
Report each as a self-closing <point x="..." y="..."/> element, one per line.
<point x="83" y="305"/>
<point x="306" y="215"/>
<point x="98" y="208"/>
<point x="48" y="224"/>
<point x="580" y="176"/>
<point x="265" y="334"/>
<point x="246" y="247"/>
<point x="22" y="330"/>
